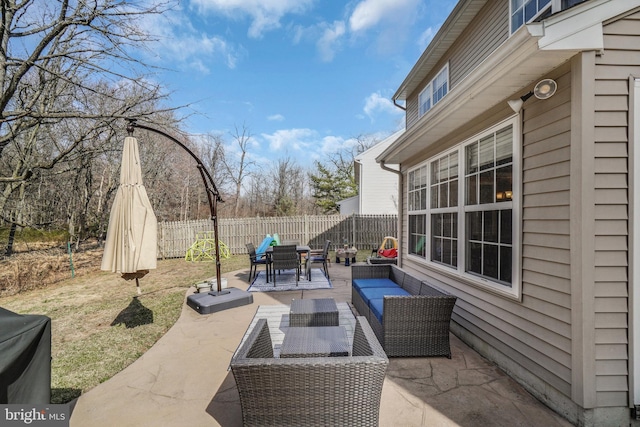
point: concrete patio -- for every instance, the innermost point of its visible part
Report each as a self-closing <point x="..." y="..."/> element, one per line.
<point x="183" y="380"/>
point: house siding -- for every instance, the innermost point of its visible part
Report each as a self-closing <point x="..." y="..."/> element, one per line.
<point x="536" y="332"/>
<point x="566" y="337"/>
<point x="488" y="31"/>
<point x="621" y="59"/>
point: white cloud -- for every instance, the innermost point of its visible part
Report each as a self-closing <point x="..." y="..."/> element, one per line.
<point x="188" y="48"/>
<point x="376" y="104"/>
<point x="295" y="139"/>
<point x="275" y="118"/>
<point x="333" y="144"/>
<point x="265" y="15"/>
<point x="330" y="40"/>
<point x="369" y="13"/>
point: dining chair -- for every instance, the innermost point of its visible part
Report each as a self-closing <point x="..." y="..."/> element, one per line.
<point x="285" y="257"/>
<point x="256" y="261"/>
<point x="319" y="258"/>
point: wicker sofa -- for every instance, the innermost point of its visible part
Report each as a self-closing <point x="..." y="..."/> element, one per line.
<point x="409" y="316"/>
<point x="314" y="391"/>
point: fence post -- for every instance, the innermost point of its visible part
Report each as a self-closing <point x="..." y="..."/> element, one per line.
<point x="353" y="230"/>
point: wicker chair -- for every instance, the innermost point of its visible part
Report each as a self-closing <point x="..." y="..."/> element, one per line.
<point x="314" y="391"/>
<point x="256" y="261"/>
<point x="285" y="257"/>
<point x="316" y="257"/>
<point x="411" y="325"/>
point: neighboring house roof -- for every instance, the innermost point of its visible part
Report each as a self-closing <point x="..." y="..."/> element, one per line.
<point x="374" y="151"/>
<point x="533" y="50"/>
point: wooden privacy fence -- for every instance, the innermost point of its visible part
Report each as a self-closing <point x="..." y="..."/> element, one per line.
<point x="361" y="231"/>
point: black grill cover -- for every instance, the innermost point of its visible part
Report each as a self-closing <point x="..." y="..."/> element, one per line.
<point x="25" y="358"/>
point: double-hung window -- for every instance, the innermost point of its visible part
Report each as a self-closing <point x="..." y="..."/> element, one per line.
<point x="417" y="210"/>
<point x="522" y="11"/>
<point x="461" y="208"/>
<point x="434" y="91"/>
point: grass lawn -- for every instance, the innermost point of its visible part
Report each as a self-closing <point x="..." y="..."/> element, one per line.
<point x="99" y="323"/>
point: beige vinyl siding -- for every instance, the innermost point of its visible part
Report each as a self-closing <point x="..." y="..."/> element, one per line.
<point x="613" y="69"/>
<point x="546" y="257"/>
<point x="484" y="35"/>
<point x="536" y="332"/>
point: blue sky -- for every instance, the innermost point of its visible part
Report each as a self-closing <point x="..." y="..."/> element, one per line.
<point x="304" y="76"/>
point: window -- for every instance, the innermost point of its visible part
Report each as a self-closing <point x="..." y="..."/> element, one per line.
<point x="522" y="11"/>
<point x="488" y="217"/>
<point x="470" y="210"/>
<point x="443" y="204"/>
<point x="434" y="91"/>
<point x="417" y="210"/>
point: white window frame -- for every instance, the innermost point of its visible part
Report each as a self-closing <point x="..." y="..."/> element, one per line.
<point x="554" y="5"/>
<point x="459" y="273"/>
<point x="427" y="94"/>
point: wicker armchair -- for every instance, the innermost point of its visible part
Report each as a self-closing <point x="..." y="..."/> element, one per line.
<point x="410" y="325"/>
<point x="315" y="391"/>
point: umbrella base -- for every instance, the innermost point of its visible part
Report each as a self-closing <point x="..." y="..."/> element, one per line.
<point x="215" y="301"/>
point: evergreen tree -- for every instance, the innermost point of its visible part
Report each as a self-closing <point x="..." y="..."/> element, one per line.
<point x="333" y="182"/>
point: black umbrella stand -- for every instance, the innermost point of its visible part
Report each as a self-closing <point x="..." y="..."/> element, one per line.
<point x="230" y="297"/>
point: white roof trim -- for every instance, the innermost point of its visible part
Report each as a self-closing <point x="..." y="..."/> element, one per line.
<point x="580" y="27"/>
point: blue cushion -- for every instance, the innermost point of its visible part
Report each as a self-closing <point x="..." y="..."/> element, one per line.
<point x="376" y="305"/>
<point x="368" y="294"/>
<point x="373" y="283"/>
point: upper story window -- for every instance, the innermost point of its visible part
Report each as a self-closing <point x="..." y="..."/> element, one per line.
<point x="522" y="11"/>
<point x="434" y="91"/>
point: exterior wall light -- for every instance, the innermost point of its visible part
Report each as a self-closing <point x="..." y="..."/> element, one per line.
<point x="544" y="89"/>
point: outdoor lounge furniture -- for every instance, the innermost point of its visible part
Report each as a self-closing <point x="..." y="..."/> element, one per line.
<point x="313" y="312"/>
<point x="318" y="341"/>
<point x="343" y="390"/>
<point x="409" y="316"/>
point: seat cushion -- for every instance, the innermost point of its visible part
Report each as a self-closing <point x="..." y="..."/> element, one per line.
<point x="368" y="294"/>
<point x="373" y="283"/>
<point x="376" y="305"/>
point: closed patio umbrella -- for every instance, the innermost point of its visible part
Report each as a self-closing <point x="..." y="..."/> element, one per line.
<point x="131" y="243"/>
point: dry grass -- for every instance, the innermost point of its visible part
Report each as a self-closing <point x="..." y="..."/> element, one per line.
<point x="99" y="323"/>
<point x="40" y="269"/>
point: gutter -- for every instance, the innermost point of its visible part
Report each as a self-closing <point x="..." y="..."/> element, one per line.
<point x="387" y="168"/>
<point x="395" y="102"/>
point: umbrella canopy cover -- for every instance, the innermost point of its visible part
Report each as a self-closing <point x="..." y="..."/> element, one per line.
<point x="131" y="243"/>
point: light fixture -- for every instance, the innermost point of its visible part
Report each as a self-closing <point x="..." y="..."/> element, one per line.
<point x="544" y="89"/>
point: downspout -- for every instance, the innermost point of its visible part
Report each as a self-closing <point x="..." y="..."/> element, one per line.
<point x="400" y="216"/>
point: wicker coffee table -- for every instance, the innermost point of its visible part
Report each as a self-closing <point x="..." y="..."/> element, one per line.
<point x="313" y="312"/>
<point x="323" y="341"/>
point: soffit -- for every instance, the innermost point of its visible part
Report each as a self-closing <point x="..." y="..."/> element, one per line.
<point x="508" y="72"/>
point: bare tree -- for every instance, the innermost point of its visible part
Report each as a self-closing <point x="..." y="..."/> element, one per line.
<point x="67" y="76"/>
<point x="239" y="167"/>
<point x="288" y="182"/>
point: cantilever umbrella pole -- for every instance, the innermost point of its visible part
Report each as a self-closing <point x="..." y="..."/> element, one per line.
<point x="213" y="195"/>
